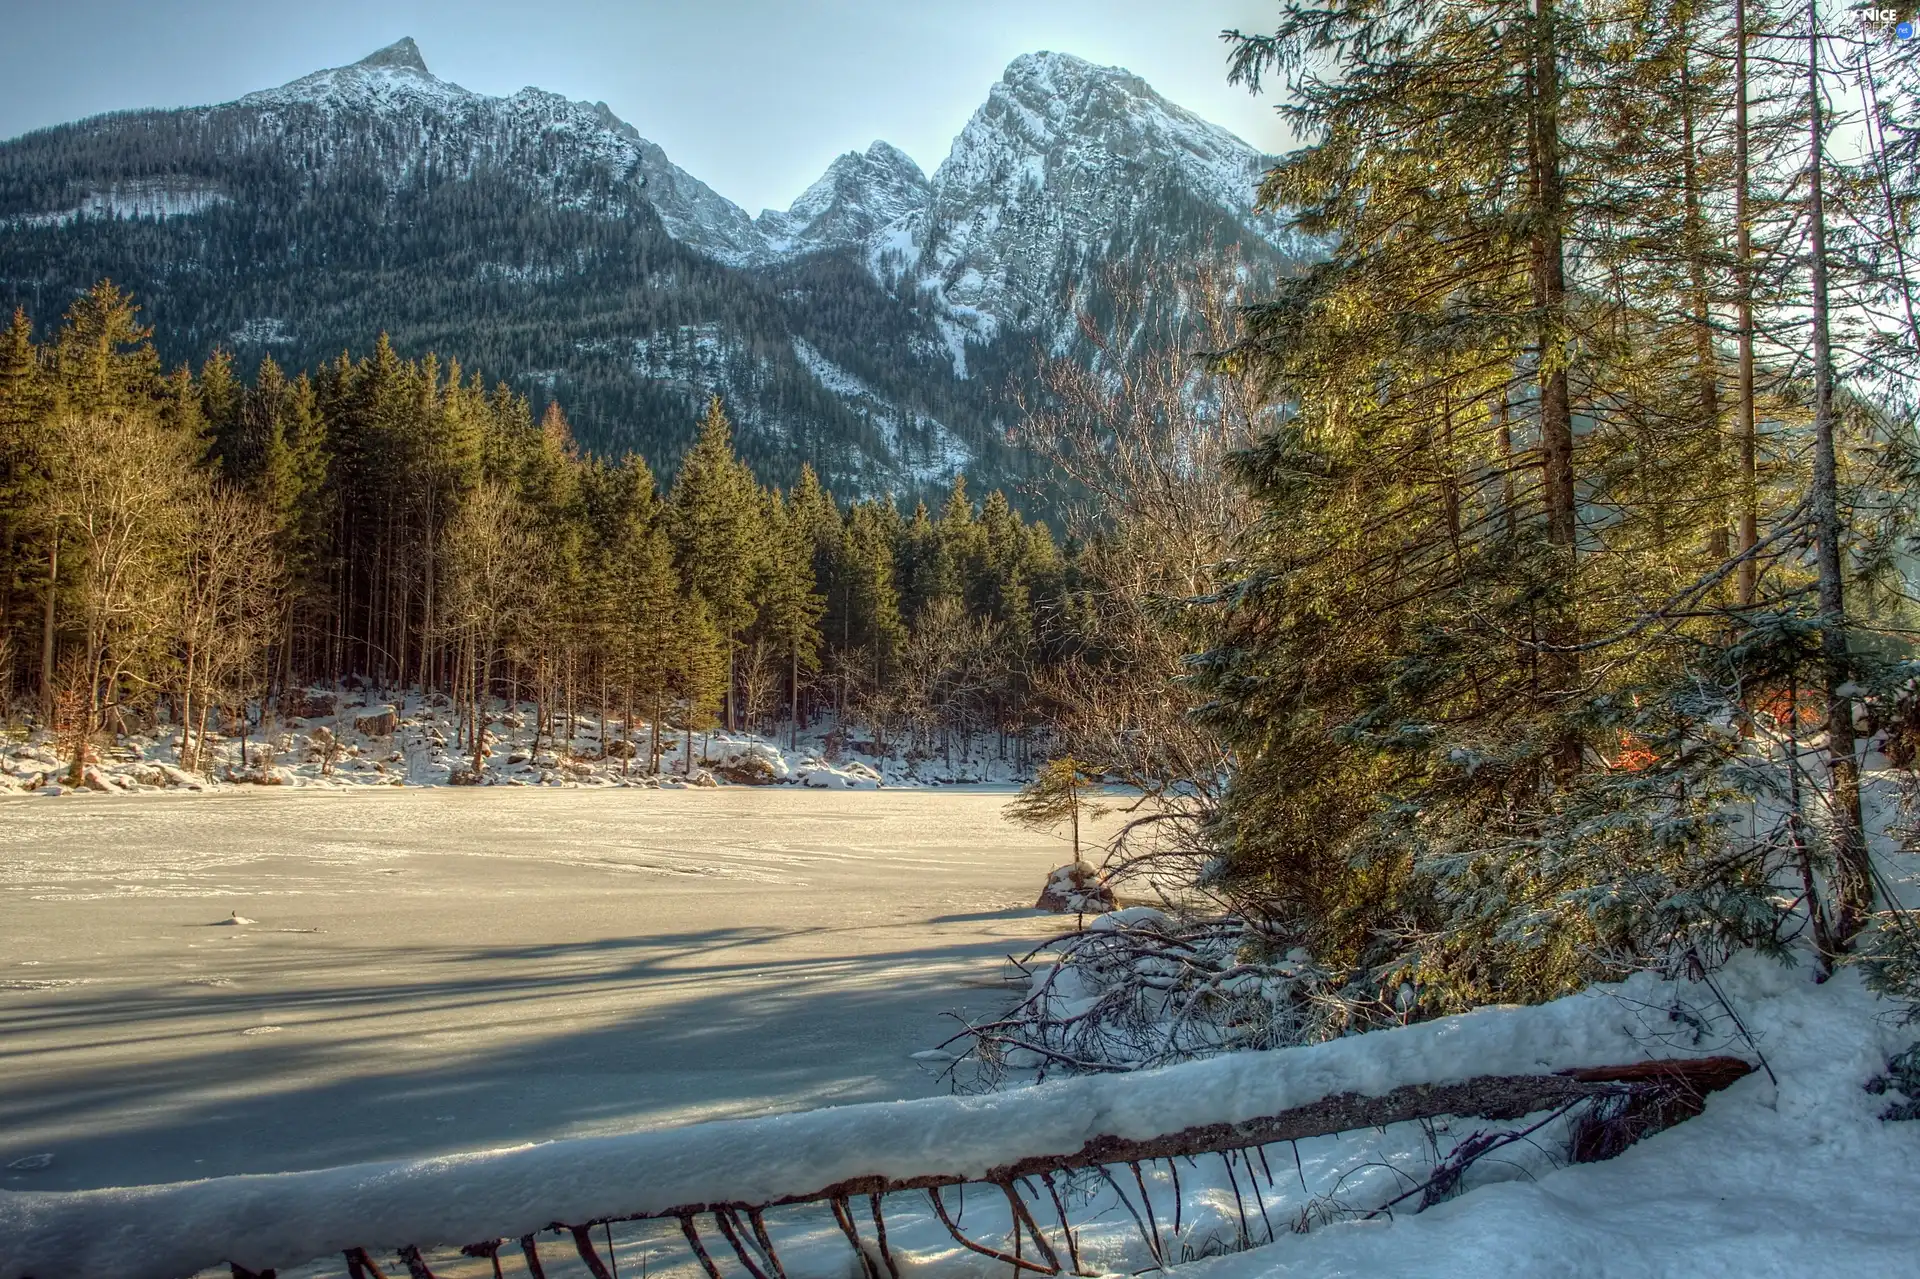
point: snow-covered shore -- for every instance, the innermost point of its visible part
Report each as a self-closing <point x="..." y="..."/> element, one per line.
<point x="1795" y="1177"/>
<point x="349" y="739"/>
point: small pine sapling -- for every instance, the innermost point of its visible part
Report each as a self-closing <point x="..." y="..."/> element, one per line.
<point x="1057" y="793"/>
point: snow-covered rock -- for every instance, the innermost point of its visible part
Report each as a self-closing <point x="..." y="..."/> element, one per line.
<point x="1064" y="159"/>
<point x="1075" y="889"/>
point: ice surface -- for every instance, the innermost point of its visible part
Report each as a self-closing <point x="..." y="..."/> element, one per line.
<point x="530" y="963"/>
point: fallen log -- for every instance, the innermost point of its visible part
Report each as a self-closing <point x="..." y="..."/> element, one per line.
<point x="1607" y="1107"/>
<point x="1674" y="1085"/>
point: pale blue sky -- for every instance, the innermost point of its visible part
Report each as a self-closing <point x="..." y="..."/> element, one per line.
<point x="754" y="97"/>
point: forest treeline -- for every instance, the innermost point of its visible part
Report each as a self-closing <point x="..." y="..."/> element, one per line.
<point x="195" y="545"/>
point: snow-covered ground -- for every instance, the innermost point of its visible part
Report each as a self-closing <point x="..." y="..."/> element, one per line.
<point x="487" y="1008"/>
<point x="354" y="739"/>
<point x="1792" y="1174"/>
<point x="430" y="969"/>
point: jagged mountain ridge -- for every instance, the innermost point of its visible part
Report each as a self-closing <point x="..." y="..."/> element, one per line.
<point x="878" y="327"/>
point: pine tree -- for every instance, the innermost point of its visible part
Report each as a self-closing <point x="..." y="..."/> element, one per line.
<point x="716" y="533"/>
<point x="223" y="417"/>
<point x="1058" y="793"/>
<point x="790" y="608"/>
<point x="104" y="356"/>
<point x="23" y="408"/>
<point x="651" y="614"/>
<point x="1440" y="626"/>
<point x="700" y="654"/>
<point x="872" y="623"/>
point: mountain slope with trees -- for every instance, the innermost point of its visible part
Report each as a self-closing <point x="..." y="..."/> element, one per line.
<point x="881" y="330"/>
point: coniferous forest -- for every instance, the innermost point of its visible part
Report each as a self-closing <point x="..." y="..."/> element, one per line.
<point x="200" y="546"/>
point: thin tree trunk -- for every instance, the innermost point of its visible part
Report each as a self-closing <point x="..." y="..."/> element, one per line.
<point x="185" y="754"/>
<point x="732" y="717"/>
<point x="479" y="702"/>
<point x="1550" y="282"/>
<point x="1743" y="253"/>
<point x="428" y="650"/>
<point x="1505" y="435"/>
<point x="46" y="632"/>
<point x="1853" y="879"/>
<point x="1703" y="353"/>
<point x="1556" y="410"/>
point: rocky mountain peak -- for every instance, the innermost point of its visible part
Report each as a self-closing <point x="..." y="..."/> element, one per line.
<point x="860" y="193"/>
<point x="402" y="53"/>
<point x="393" y="78"/>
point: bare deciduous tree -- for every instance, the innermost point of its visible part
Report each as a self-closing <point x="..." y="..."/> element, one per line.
<point x="231" y="595"/>
<point x="760" y="675"/>
<point x="119" y="498"/>
<point x="950" y="672"/>
<point x="488" y="578"/>
<point x="1139" y="435"/>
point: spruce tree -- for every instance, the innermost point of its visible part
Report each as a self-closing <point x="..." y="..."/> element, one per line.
<point x="700" y="672"/>
<point x="790" y="607"/>
<point x="222" y="415"/>
<point x="1455" y="608"/>
<point x="717" y="535"/>
<point x="23" y="408"/>
<point x="1058" y="793"/>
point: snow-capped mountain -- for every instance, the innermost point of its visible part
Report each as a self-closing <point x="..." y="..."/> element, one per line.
<point x="1064" y="163"/>
<point x="871" y="327"/>
<point x="859" y="196"/>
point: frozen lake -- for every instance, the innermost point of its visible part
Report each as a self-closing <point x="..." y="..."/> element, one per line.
<point x="431" y="970"/>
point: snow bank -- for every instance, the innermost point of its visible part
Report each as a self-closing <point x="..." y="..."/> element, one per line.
<point x="160" y="1232"/>
<point x="1800" y="1180"/>
<point x="343" y="740"/>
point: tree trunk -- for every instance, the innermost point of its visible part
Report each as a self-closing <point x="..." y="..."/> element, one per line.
<point x="1504" y="433"/>
<point x="1696" y="248"/>
<point x="1073" y="812"/>
<point x="1556" y="411"/>
<point x="732" y="718"/>
<point x="1743" y="253"/>
<point x="653" y="735"/>
<point x="427" y="627"/>
<point x="1853" y="878"/>
<point x="46" y="632"/>
<point x="479" y="712"/>
<point x="185" y="754"/>
<point x="1550" y="281"/>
